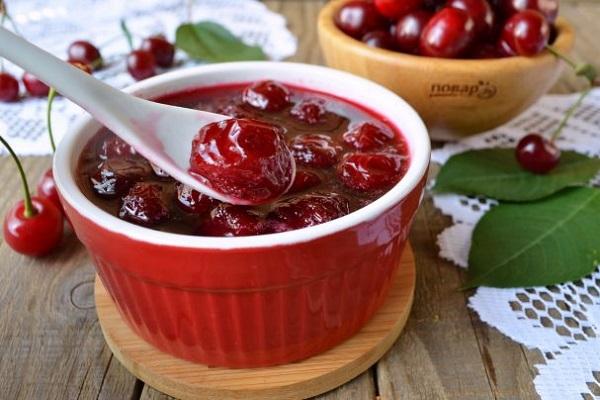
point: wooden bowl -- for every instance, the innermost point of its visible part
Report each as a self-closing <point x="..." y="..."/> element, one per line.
<point x="454" y="97"/>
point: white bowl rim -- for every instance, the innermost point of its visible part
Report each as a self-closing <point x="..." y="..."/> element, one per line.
<point x="417" y="138"/>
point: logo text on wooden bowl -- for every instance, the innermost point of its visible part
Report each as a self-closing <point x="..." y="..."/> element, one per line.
<point x="482" y="90"/>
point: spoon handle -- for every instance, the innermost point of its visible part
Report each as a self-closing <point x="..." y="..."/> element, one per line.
<point x="103" y="101"/>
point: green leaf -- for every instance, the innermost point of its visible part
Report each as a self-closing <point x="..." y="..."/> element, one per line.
<point x="496" y="173"/>
<point x="536" y="244"/>
<point x="208" y="41"/>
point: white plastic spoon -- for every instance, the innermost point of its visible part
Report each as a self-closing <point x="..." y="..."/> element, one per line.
<point x="161" y="133"/>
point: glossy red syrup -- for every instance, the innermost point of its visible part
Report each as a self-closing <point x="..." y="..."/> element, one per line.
<point x="346" y="157"/>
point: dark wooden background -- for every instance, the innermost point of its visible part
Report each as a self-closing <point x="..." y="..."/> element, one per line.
<point x="51" y="346"/>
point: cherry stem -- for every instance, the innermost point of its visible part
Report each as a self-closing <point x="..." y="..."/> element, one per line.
<point x="29" y="210"/>
<point x="569" y="114"/>
<point x="584" y="70"/>
<point x="51" y="96"/>
<point x="6" y="16"/>
<point x="558" y="54"/>
<point x="96" y="64"/>
<point x="127" y="34"/>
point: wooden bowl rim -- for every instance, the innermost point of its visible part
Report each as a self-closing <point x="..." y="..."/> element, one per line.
<point x="327" y="28"/>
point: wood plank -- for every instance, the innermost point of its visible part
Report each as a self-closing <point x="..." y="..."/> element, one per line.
<point x="510" y="374"/>
<point x="52" y="347"/>
<point x="118" y="383"/>
<point x="360" y="388"/>
<point x="149" y="393"/>
<point x="437" y="357"/>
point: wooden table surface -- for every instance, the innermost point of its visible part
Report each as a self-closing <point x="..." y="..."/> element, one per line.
<point x="51" y="346"/>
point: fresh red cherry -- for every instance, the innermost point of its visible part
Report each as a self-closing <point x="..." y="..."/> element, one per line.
<point x="115" y="176"/>
<point x="357" y="17"/>
<point x="192" y="201"/>
<point x="394" y="9"/>
<point x="35" y="235"/>
<point x="144" y="205"/>
<point x="314" y="150"/>
<point x="267" y="95"/>
<point x="230" y="220"/>
<point x="407" y="31"/>
<point x="34" y="86"/>
<point x="481" y="13"/>
<point x="85" y="53"/>
<point x="243" y="158"/>
<point x="367" y="136"/>
<point x="526" y="33"/>
<point x="161" y="48"/>
<point x="46" y="188"/>
<point x="9" y="87"/>
<point x="537" y="154"/>
<point x="379" y="39"/>
<point x="141" y="64"/>
<point x="448" y="34"/>
<point x="310" y="111"/>
<point x="370" y="171"/>
<point x="308" y="210"/>
<point x="304" y="180"/>
<point x="34" y="226"/>
<point x="548" y="8"/>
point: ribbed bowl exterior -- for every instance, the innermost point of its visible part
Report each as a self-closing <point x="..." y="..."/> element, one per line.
<point x="256" y="306"/>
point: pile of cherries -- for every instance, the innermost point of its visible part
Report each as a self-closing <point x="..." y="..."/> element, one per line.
<point x="344" y="159"/>
<point x="452" y="28"/>
<point x="154" y="52"/>
<point x="34" y="225"/>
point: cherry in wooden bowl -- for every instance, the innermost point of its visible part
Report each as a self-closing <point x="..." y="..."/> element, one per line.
<point x="455" y="97"/>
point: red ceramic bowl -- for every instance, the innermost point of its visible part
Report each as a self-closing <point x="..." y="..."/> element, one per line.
<point x="262" y="300"/>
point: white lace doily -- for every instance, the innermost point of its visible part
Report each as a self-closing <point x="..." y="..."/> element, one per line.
<point x="562" y="321"/>
<point x="54" y="25"/>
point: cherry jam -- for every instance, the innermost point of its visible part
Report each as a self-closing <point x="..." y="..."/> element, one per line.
<point x="346" y="157"/>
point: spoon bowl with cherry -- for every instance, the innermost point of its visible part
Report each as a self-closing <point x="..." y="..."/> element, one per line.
<point x="226" y="159"/>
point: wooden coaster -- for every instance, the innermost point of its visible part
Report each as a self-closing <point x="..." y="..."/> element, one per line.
<point x="316" y="375"/>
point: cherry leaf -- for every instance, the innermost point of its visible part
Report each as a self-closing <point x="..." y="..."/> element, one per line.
<point x="496" y="173"/>
<point x="208" y="41"/>
<point x="540" y="243"/>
